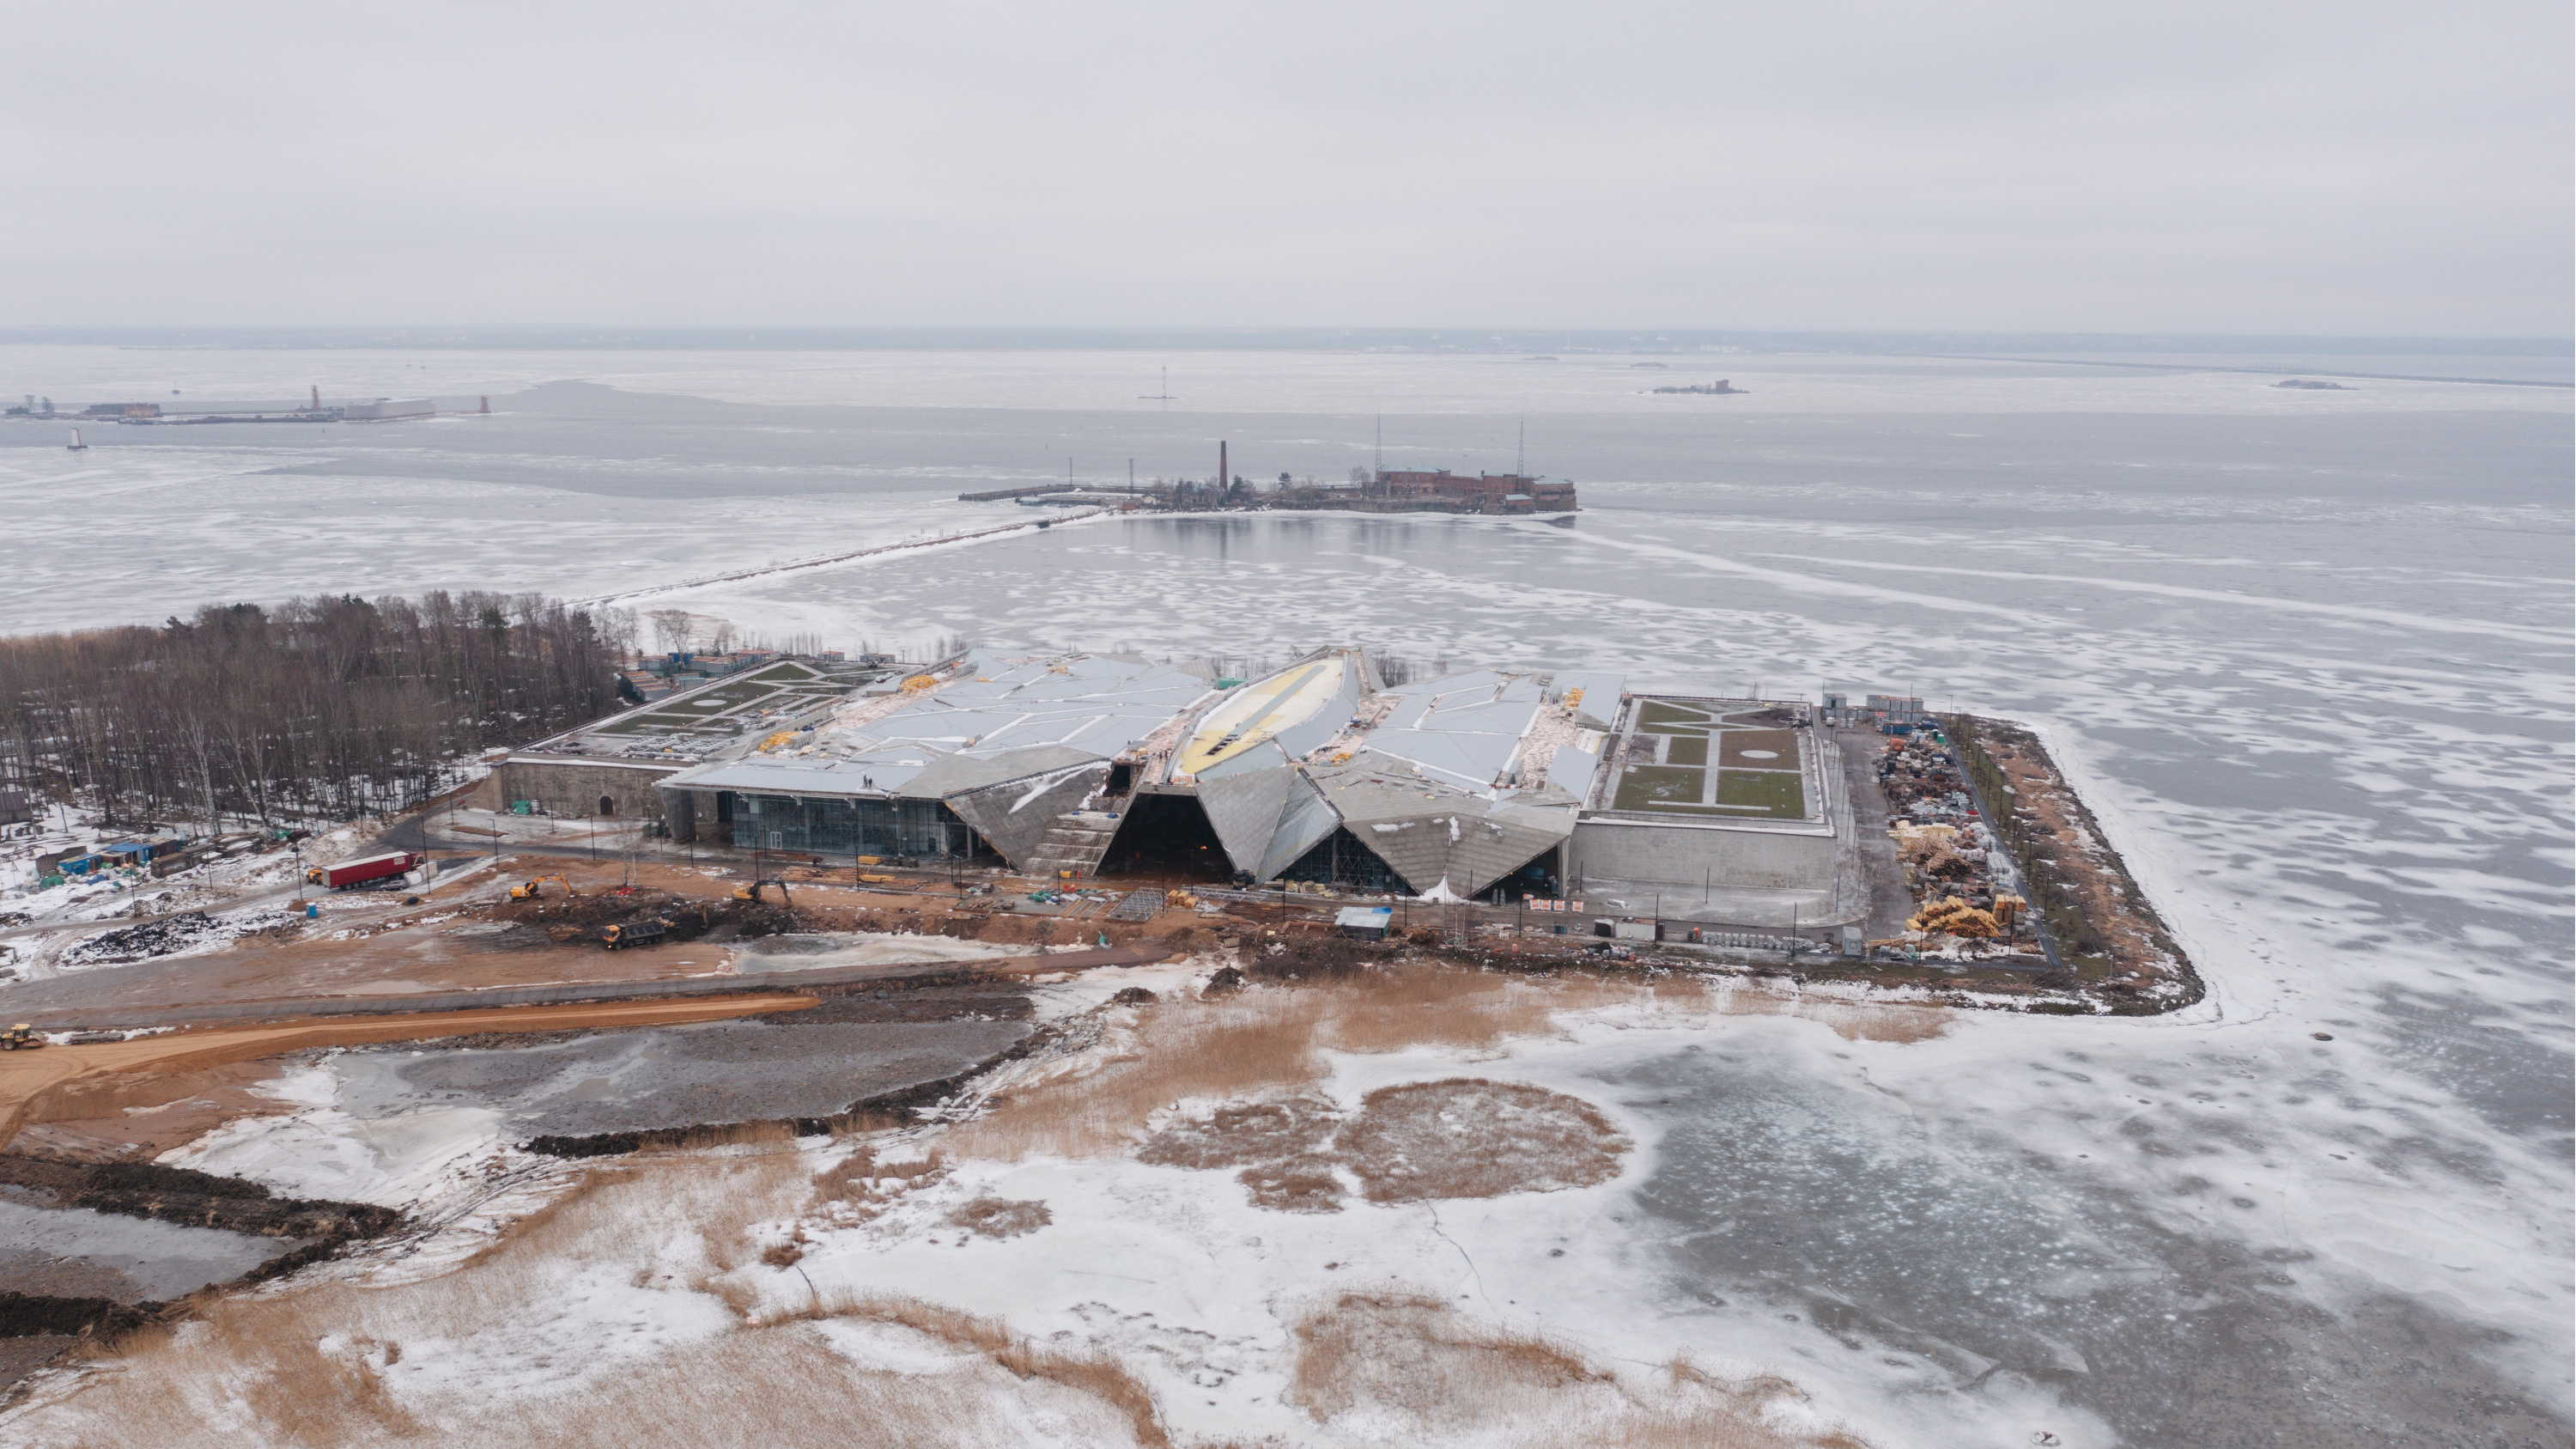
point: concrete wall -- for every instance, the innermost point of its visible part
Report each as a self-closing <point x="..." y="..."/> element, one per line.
<point x="1683" y="856"/>
<point x="573" y="788"/>
<point x="680" y="811"/>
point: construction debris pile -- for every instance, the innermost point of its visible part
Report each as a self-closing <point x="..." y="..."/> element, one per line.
<point x="1922" y="781"/>
<point x="1950" y="859"/>
<point x="567" y="919"/>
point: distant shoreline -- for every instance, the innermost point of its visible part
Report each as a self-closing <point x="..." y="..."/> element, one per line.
<point x="2258" y="371"/>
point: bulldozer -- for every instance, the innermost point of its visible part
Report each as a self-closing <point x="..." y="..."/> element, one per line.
<point x="532" y="890"/>
<point x="751" y="892"/>
<point x="20" y="1035"/>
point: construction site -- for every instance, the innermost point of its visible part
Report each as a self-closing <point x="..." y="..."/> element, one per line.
<point x="1527" y="803"/>
<point x="809" y="899"/>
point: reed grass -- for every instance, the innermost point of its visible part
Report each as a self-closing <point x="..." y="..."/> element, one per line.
<point x="1414" y="1370"/>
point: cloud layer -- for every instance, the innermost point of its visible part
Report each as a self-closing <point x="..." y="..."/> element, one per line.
<point x="2203" y="168"/>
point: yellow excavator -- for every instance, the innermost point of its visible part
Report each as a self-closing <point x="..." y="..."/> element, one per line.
<point x="533" y="890"/>
<point x="751" y="892"/>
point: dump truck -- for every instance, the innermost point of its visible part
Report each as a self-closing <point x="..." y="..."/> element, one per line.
<point x="19" y="1035"/>
<point x="358" y="872"/>
<point x="534" y="890"/>
<point x="634" y="933"/>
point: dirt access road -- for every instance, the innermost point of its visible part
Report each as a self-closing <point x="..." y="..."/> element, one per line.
<point x="27" y="1075"/>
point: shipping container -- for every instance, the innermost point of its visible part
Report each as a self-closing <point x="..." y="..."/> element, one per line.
<point x="358" y="872"/>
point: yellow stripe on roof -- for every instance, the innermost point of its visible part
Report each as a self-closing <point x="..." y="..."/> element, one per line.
<point x="1256" y="712"/>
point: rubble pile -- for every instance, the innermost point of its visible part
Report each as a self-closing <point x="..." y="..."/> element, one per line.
<point x="1922" y="781"/>
<point x="166" y="936"/>
<point x="1949" y="858"/>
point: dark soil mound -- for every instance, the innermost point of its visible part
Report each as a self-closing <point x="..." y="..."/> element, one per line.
<point x="178" y="1195"/>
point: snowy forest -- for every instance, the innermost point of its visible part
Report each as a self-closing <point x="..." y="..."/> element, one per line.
<point x="318" y="708"/>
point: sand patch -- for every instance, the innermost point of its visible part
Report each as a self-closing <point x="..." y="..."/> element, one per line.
<point x="142" y="1114"/>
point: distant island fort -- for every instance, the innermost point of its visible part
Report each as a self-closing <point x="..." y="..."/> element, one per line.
<point x="1365" y="491"/>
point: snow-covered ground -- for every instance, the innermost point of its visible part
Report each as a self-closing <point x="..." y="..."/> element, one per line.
<point x="2305" y="654"/>
<point x="1173" y="1272"/>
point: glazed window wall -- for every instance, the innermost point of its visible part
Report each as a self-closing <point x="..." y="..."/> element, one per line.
<point x="845" y="827"/>
<point x="1339" y="860"/>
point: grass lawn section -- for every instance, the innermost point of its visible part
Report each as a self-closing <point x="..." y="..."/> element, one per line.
<point x="1779" y="791"/>
<point x="1643" y="785"/>
<point x="1686" y="750"/>
<point x="1660" y="713"/>
<point x="1780" y="745"/>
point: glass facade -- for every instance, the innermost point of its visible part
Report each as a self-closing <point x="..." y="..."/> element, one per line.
<point x="832" y="826"/>
<point x="1340" y="860"/>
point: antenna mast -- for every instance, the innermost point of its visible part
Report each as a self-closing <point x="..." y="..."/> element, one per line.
<point x="1520" y="459"/>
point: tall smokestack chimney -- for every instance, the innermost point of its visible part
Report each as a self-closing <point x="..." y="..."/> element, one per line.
<point x="487" y="404"/>
<point x="317" y="397"/>
<point x="1224" y="478"/>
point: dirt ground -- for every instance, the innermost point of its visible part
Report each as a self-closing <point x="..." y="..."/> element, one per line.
<point x="141" y="1113"/>
<point x="29" y="1078"/>
<point x="2116" y="920"/>
<point x="466" y="934"/>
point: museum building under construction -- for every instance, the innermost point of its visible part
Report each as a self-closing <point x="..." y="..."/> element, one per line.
<point x="1484" y="783"/>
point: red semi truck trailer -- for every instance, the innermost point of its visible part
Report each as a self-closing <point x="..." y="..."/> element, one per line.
<point x="358" y="872"/>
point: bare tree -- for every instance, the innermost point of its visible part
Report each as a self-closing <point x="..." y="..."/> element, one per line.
<point x="331" y="706"/>
<point x="670" y="630"/>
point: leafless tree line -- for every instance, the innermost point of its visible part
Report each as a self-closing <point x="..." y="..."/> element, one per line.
<point x="324" y="707"/>
<point x="677" y="630"/>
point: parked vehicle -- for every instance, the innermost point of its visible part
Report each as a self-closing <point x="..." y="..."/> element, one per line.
<point x="358" y="872"/>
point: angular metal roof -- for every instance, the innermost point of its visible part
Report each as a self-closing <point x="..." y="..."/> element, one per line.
<point x="1304" y="821"/>
<point x="1018" y="742"/>
<point x="1574" y="766"/>
<point x="800" y="775"/>
<point x="1101" y="704"/>
<point x="1243" y="806"/>
<point x="947" y="775"/>
<point x="1597" y="705"/>
<point x="1428" y="832"/>
<point x="1014" y="816"/>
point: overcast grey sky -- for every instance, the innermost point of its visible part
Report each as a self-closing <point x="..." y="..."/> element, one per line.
<point x="2266" y="167"/>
